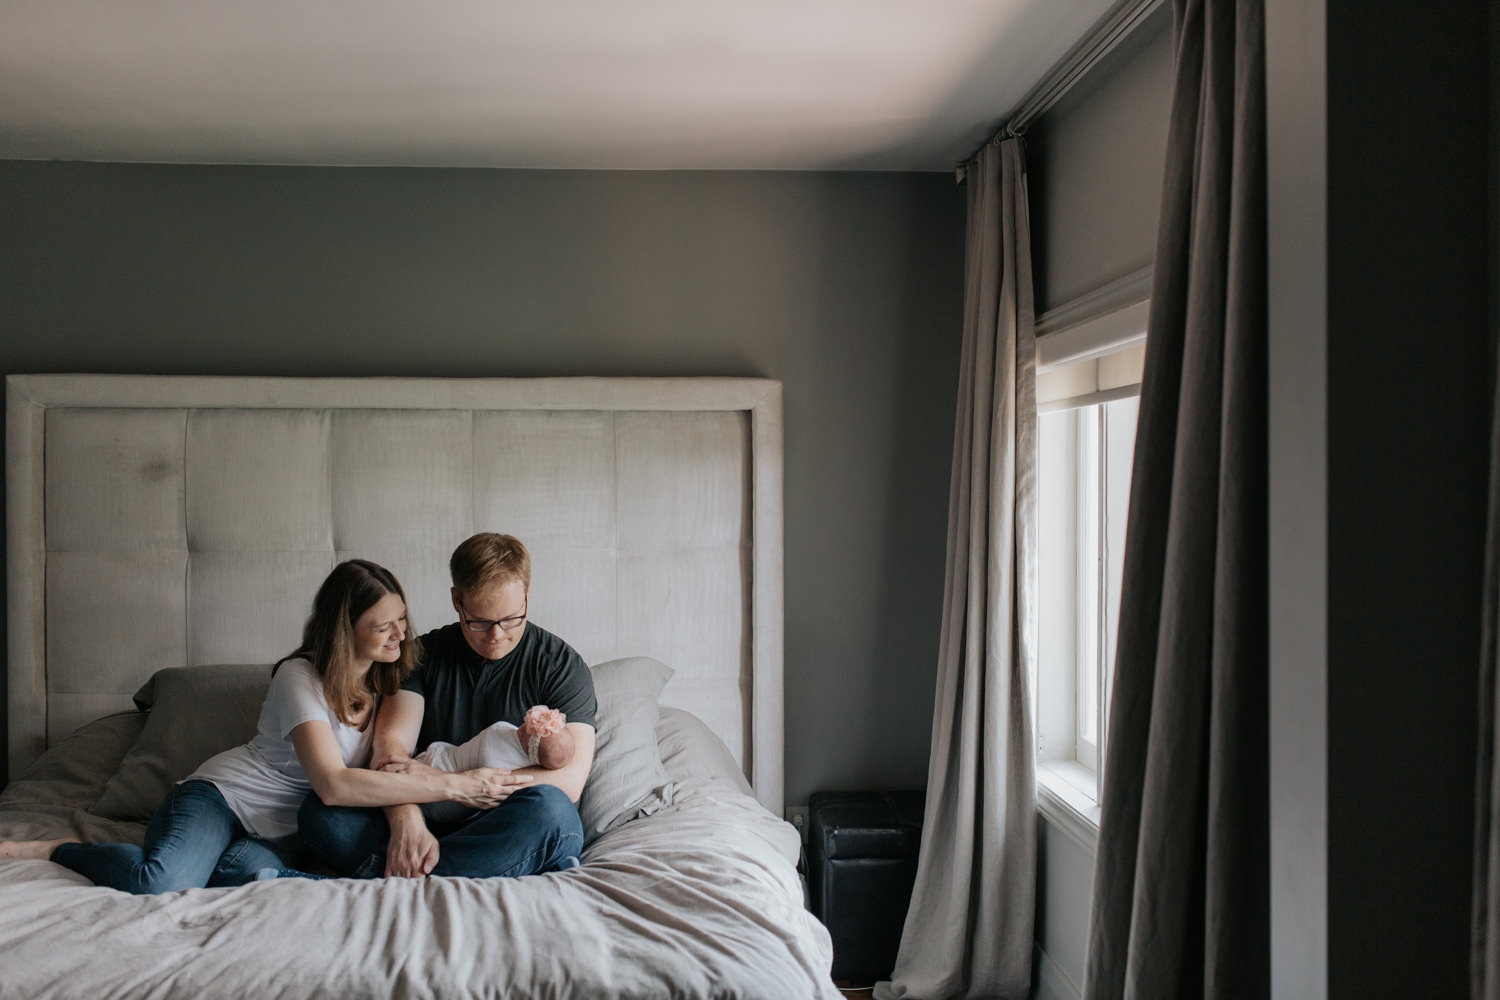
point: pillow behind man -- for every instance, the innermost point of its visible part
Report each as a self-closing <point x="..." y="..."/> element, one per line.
<point x="193" y="713"/>
<point x="628" y="779"/>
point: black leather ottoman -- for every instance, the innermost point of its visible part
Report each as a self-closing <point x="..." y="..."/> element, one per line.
<point x="862" y="860"/>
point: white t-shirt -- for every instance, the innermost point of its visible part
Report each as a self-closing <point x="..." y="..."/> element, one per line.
<point x="262" y="781"/>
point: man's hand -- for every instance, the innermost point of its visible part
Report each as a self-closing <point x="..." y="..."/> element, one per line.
<point x="413" y="850"/>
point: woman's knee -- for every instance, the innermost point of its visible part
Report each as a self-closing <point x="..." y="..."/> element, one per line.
<point x="152" y="878"/>
<point x="241" y="860"/>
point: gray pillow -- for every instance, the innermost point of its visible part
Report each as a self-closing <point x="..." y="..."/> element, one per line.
<point x="690" y="751"/>
<point x="628" y="779"/>
<point x="74" y="771"/>
<point x="193" y="713"/>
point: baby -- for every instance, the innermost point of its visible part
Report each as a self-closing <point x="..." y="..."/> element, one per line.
<point x="541" y="739"/>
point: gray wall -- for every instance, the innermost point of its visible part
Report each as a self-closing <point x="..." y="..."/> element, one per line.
<point x="1094" y="162"/>
<point x="1094" y="165"/>
<point x="848" y="287"/>
<point x="1065" y="889"/>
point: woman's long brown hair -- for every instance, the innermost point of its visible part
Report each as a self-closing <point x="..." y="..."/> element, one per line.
<point x="328" y="638"/>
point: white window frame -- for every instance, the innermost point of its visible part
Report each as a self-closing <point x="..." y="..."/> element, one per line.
<point x="1089" y="351"/>
<point x="1089" y="668"/>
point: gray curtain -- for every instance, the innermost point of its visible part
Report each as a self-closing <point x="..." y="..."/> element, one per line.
<point x="1484" y="964"/>
<point x="1181" y="880"/>
<point x="970" y="926"/>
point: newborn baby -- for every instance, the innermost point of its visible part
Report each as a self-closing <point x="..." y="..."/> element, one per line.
<point x="541" y="739"/>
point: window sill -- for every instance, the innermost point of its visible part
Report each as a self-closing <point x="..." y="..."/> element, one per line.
<point x="1065" y="796"/>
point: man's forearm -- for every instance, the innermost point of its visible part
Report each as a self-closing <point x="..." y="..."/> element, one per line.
<point x="388" y="748"/>
<point x="572" y="776"/>
<point x="569" y="781"/>
<point x="388" y="744"/>
<point x="397" y="727"/>
<point x="402" y="815"/>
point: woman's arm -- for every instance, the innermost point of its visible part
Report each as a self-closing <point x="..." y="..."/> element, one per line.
<point x="338" y="785"/>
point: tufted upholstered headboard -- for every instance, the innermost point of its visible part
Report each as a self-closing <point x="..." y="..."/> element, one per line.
<point x="160" y="521"/>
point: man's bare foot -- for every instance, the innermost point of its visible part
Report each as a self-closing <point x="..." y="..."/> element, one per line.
<point x="35" y="850"/>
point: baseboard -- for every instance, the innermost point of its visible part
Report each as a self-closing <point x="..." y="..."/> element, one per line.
<point x="1049" y="981"/>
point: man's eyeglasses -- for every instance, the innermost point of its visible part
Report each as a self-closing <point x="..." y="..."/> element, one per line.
<point x="485" y="624"/>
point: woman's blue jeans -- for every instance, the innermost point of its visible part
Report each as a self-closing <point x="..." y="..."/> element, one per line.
<point x="192" y="841"/>
<point x="535" y="830"/>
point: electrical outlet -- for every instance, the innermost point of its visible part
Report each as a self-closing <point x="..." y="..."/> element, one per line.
<point x="797" y="816"/>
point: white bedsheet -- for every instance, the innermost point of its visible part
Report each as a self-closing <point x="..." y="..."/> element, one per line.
<point x="699" y="900"/>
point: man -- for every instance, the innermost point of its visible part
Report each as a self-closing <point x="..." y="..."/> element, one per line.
<point x="489" y="666"/>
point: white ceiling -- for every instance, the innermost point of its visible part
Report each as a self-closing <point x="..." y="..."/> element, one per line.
<point x="674" y="84"/>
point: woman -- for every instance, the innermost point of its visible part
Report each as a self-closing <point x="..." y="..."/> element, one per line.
<point x="237" y="814"/>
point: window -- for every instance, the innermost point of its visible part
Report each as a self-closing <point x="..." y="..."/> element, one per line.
<point x="1084" y="493"/>
<point x="1088" y="398"/>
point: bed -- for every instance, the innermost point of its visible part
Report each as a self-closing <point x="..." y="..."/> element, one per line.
<point x="164" y="537"/>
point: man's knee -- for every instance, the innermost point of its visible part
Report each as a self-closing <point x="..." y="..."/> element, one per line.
<point x="552" y="807"/>
<point x="536" y="830"/>
<point x="536" y="811"/>
<point x="349" y="840"/>
<point x="326" y="827"/>
<point x="314" y="819"/>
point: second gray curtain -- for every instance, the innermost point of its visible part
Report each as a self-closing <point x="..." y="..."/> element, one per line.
<point x="1181" y="897"/>
<point x="1484" y="962"/>
<point x="970" y="925"/>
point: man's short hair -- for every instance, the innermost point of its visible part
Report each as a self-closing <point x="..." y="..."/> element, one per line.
<point x="489" y="559"/>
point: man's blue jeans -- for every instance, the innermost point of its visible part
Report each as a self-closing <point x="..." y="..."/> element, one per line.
<point x="192" y="841"/>
<point x="535" y="830"/>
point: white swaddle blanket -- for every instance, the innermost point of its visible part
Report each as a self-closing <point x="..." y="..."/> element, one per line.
<point x="495" y="746"/>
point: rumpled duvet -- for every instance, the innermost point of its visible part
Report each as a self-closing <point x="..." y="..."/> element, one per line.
<point x="698" y="900"/>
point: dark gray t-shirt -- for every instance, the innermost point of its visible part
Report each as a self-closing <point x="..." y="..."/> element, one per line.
<point x="465" y="693"/>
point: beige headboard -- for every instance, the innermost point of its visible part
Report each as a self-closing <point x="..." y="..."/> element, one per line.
<point x="159" y="521"/>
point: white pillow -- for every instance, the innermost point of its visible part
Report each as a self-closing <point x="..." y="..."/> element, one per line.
<point x="627" y="779"/>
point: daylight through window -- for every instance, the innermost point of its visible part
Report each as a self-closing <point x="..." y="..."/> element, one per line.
<point x="1085" y="454"/>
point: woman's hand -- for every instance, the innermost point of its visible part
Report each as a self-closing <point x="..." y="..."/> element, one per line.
<point x="484" y="787"/>
<point x="404" y="765"/>
<point x="395" y="762"/>
<point x="413" y="850"/>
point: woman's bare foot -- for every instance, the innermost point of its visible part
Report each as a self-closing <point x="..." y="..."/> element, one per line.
<point x="35" y="850"/>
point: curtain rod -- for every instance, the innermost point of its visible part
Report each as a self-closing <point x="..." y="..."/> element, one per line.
<point x="1102" y="38"/>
